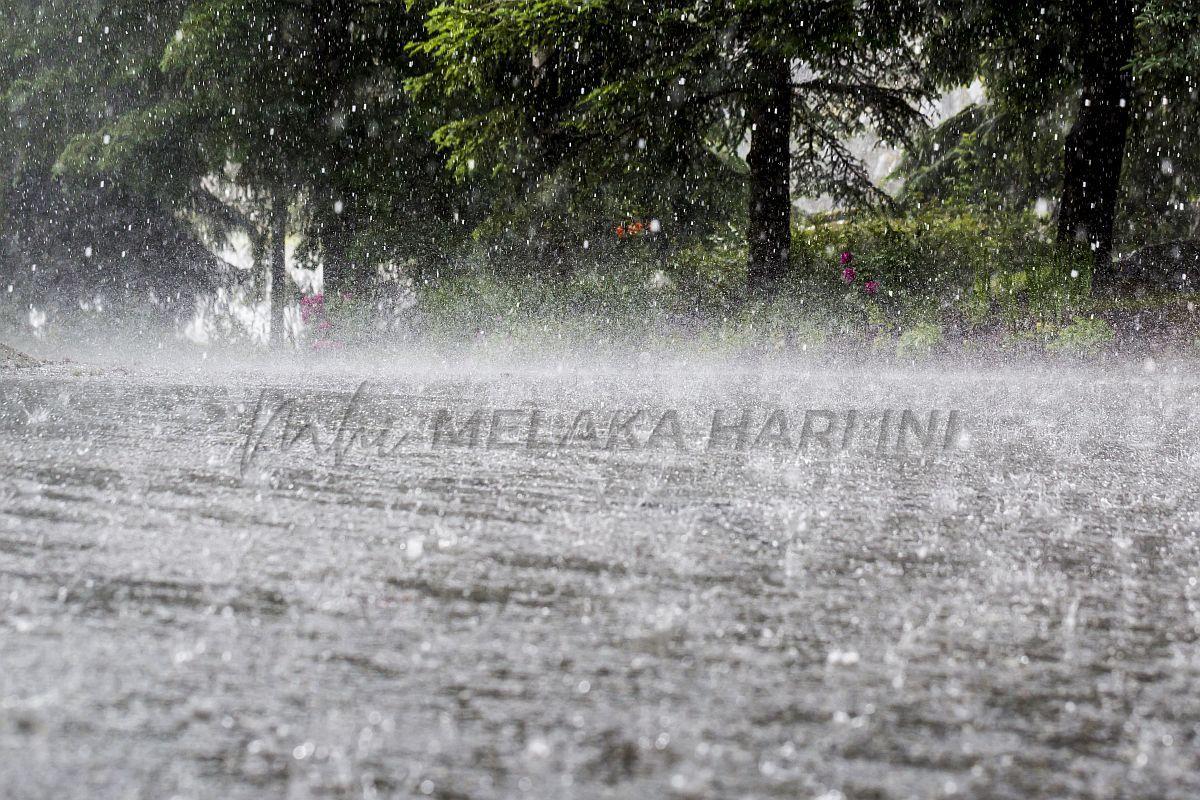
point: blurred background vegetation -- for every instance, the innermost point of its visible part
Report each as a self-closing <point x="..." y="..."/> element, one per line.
<point x="477" y="168"/>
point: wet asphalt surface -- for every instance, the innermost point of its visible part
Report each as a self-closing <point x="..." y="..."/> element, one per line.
<point x="202" y="597"/>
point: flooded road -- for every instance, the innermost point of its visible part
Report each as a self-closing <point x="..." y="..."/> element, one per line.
<point x="202" y="596"/>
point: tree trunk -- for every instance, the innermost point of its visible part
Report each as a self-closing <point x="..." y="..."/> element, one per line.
<point x="280" y="296"/>
<point x="770" y="229"/>
<point x="1095" y="146"/>
<point x="331" y="20"/>
<point x="339" y="273"/>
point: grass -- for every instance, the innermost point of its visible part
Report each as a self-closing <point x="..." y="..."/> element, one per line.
<point x="637" y="309"/>
<point x="948" y="280"/>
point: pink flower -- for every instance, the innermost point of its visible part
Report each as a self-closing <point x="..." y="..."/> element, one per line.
<point x="871" y="288"/>
<point x="848" y="274"/>
<point x="312" y="300"/>
<point x="846" y="257"/>
<point x="324" y="325"/>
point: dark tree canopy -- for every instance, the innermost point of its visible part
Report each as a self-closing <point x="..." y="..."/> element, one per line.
<point x="636" y="91"/>
<point x="1081" y="98"/>
<point x="396" y="136"/>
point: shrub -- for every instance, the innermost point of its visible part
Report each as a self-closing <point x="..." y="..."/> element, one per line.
<point x="944" y="260"/>
<point x="710" y="273"/>
<point x="919" y="340"/>
<point x="1082" y="337"/>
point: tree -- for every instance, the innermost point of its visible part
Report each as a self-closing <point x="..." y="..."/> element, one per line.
<point x="66" y="70"/>
<point x="1094" y="150"/>
<point x="1162" y="172"/>
<point x="1108" y="73"/>
<point x="282" y="117"/>
<point x="635" y="89"/>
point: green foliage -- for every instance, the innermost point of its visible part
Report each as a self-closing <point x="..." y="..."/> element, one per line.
<point x="921" y="339"/>
<point x="648" y="102"/>
<point x="67" y="69"/>
<point x="1082" y="337"/>
<point x="941" y="263"/>
<point x="231" y="103"/>
<point x="554" y="231"/>
<point x="935" y="251"/>
<point x="986" y="157"/>
<point x="1041" y="288"/>
<point x="713" y="271"/>
<point x="1007" y="153"/>
<point x="498" y="145"/>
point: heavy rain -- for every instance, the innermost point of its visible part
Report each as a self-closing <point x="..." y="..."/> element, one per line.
<point x="550" y="399"/>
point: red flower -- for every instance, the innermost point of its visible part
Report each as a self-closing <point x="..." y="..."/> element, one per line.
<point x="846" y="257"/>
<point x="848" y="275"/>
<point x="620" y="231"/>
<point x="871" y="288"/>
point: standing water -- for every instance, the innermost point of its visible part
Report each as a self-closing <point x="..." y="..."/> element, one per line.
<point x="696" y="579"/>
